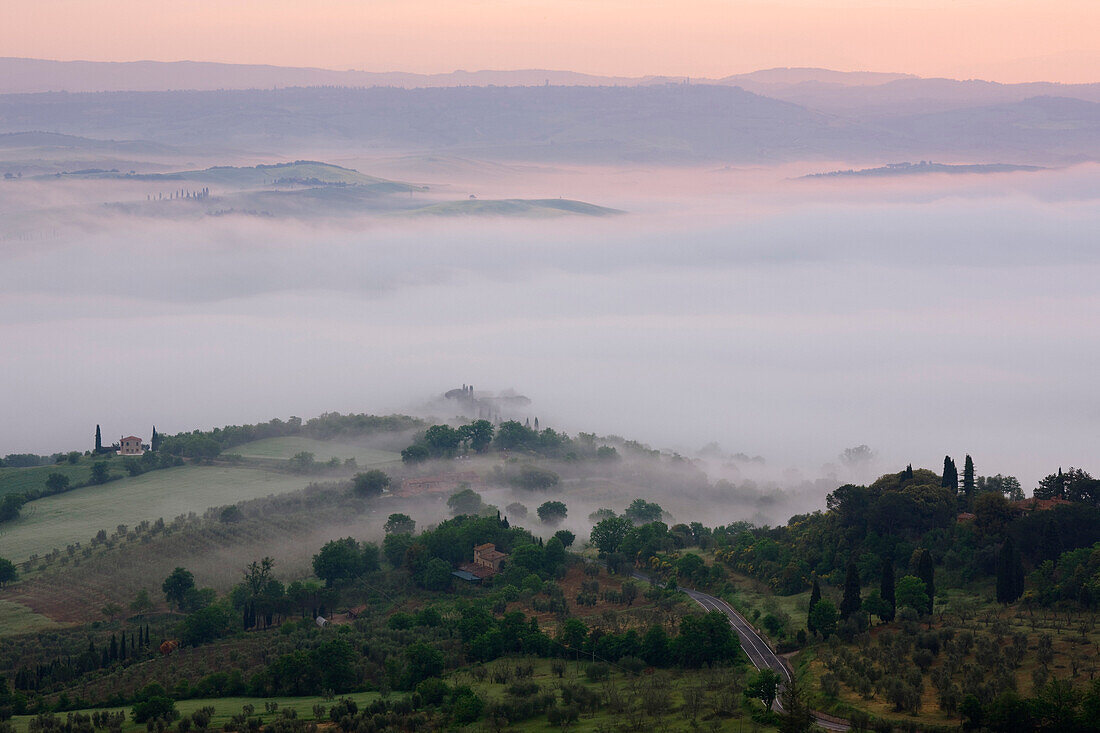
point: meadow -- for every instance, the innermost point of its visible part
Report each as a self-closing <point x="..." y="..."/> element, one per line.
<point x="287" y="447"/>
<point x="22" y="480"/>
<point x="60" y="520"/>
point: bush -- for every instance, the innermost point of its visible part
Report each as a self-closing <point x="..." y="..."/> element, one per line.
<point x="597" y="672"/>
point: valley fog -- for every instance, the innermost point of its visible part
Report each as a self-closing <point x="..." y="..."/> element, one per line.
<point x="784" y="318"/>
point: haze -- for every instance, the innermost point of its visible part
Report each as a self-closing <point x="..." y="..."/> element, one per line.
<point x="1002" y="41"/>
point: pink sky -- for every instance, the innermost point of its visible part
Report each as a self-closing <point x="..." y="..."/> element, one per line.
<point x="1003" y="40"/>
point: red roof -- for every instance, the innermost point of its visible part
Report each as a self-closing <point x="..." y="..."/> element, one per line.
<point x="132" y="437"/>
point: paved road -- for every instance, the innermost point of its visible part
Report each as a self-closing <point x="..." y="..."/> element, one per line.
<point x="758" y="651"/>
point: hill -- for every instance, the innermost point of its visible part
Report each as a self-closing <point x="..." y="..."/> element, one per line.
<point x="513" y="207"/>
<point x="672" y="123"/>
<point x="925" y="167"/>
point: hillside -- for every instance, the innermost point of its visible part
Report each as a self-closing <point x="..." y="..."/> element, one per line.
<point x="513" y="207"/>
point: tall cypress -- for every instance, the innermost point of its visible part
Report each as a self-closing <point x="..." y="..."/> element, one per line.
<point x="1010" y="573"/>
<point x="908" y="473"/>
<point x="154" y="442"/>
<point x="98" y="440"/>
<point x="968" y="480"/>
<point x="927" y="573"/>
<point x="886" y="589"/>
<point x="113" y="653"/>
<point x="950" y="478"/>
<point x="851" y="601"/>
<point x="815" y="596"/>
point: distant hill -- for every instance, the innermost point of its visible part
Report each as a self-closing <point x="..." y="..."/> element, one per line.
<point x="512" y="207"/>
<point x="924" y="167"/>
<point x="300" y="173"/>
<point x="657" y="124"/>
<point x="40" y="141"/>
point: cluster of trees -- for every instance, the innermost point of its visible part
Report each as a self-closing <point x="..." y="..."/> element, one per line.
<point x="1056" y="707"/>
<point x="479" y="436"/>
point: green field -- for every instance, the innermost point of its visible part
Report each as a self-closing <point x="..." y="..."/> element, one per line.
<point x="22" y="480"/>
<point x="283" y="448"/>
<point x="15" y="618"/>
<point x="75" y="516"/>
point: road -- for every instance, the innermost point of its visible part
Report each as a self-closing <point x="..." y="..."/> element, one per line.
<point x="758" y="651"/>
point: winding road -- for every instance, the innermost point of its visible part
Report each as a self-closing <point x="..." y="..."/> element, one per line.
<point x="758" y="651"/>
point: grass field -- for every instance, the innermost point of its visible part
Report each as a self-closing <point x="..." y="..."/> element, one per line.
<point x="283" y="448"/>
<point x="15" y="618"/>
<point x="670" y="685"/>
<point x="22" y="480"/>
<point x="75" y="516"/>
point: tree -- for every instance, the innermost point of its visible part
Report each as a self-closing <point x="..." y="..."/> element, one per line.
<point x="442" y="440"/>
<point x="371" y="483"/>
<point x="415" y="454"/>
<point x="57" y="482"/>
<point x="302" y="462"/>
<point x="1010" y="573"/>
<point x="641" y="511"/>
<point x="887" y="589"/>
<point x="176" y="586"/>
<point x="851" y="601"/>
<point x="608" y="534"/>
<point x="8" y="573"/>
<point x="142" y="603"/>
<point x="466" y="501"/>
<point x="950" y="478"/>
<point x="516" y="510"/>
<point x="338" y="560"/>
<point x="912" y="593"/>
<point x="968" y="480"/>
<point x="101" y="473"/>
<point x="479" y="434"/>
<point x="552" y="512"/>
<point x="399" y="524"/>
<point x="824" y="618"/>
<point x="875" y="605"/>
<point x="534" y="478"/>
<point x="154" y="442"/>
<point x="98" y="440"/>
<point x="796" y="715"/>
<point x="565" y="537"/>
<point x="705" y="640"/>
<point x="10" y="506"/>
<point x="927" y="573"/>
<point x="815" y="596"/>
<point x="764" y="686"/>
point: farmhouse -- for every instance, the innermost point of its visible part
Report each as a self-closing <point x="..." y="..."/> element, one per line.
<point x="130" y="446"/>
<point x="443" y="483"/>
<point x="488" y="561"/>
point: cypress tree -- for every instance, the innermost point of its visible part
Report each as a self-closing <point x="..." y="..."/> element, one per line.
<point x="815" y="596"/>
<point x="122" y="648"/>
<point x="851" y="601"/>
<point x="154" y="442"/>
<point x="950" y="475"/>
<point x="113" y="654"/>
<point x="98" y="440"/>
<point x="886" y="590"/>
<point x="908" y="471"/>
<point x="927" y="573"/>
<point x="1010" y="573"/>
<point x="968" y="480"/>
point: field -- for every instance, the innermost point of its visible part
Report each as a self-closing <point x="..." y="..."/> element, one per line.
<point x="15" y="618"/>
<point x="22" y="480"/>
<point x="76" y="516"/>
<point x="652" y="700"/>
<point x="283" y="448"/>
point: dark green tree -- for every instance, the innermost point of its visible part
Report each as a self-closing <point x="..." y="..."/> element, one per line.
<point x="338" y="560"/>
<point x="57" y="482"/>
<point x="177" y="585"/>
<point x="371" y="483"/>
<point x="466" y="501"/>
<point x="824" y="618"/>
<point x="886" y="589"/>
<point x="608" y="534"/>
<point x="950" y="478"/>
<point x="815" y="596"/>
<point x="764" y="686"/>
<point x="98" y="440"/>
<point x="796" y="715"/>
<point x="399" y="524"/>
<point x="154" y="442"/>
<point x="415" y="454"/>
<point x="552" y="512"/>
<point x="927" y="572"/>
<point x="101" y="473"/>
<point x="968" y="482"/>
<point x="8" y="572"/>
<point x="1010" y="573"/>
<point x="851" y="603"/>
<point x="911" y="593"/>
<point x="566" y="537"/>
<point x="479" y="434"/>
<point x="641" y="511"/>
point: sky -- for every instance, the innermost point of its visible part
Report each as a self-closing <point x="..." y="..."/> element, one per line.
<point x="1001" y="40"/>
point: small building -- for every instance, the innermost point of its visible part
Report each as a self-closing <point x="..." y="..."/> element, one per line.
<point x="130" y="446"/>
<point x="488" y="556"/>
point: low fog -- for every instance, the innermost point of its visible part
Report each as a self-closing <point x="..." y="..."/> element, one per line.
<point x="784" y="318"/>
